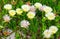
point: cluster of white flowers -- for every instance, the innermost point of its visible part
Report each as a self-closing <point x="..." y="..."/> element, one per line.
<point x="13" y="12"/>
<point x="31" y="9"/>
<point x="31" y="14"/>
<point x="48" y="10"/>
<point x="19" y="11"/>
<point x="52" y="30"/>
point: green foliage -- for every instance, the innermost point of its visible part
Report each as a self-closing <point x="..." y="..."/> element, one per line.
<point x="38" y="23"/>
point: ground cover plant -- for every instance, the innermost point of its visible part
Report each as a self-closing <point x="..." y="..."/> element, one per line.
<point x="29" y="19"/>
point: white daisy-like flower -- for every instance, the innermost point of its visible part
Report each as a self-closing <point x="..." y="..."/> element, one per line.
<point x="37" y="5"/>
<point x="25" y="23"/>
<point x="47" y="33"/>
<point x="12" y="12"/>
<point x="6" y="18"/>
<point x="31" y="15"/>
<point x="19" y="11"/>
<point x="53" y="29"/>
<point x="32" y="8"/>
<point x="47" y="9"/>
<point x="25" y="8"/>
<point x="8" y="6"/>
<point x="50" y="16"/>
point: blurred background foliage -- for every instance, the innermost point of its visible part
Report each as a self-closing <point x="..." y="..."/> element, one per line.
<point x="38" y="24"/>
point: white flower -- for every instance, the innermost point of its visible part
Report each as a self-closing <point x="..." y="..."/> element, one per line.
<point x="37" y="5"/>
<point x="12" y="36"/>
<point x="47" y="33"/>
<point x="31" y="15"/>
<point x="25" y="23"/>
<point x="50" y="16"/>
<point x="47" y="9"/>
<point x="53" y="29"/>
<point x="19" y="11"/>
<point x="6" y="18"/>
<point x="25" y="8"/>
<point x="8" y="6"/>
<point x="32" y="8"/>
<point x="12" y="12"/>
